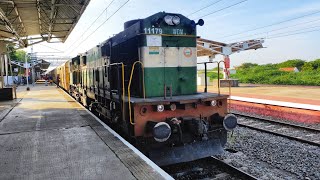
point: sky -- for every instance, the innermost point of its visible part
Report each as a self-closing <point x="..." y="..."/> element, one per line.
<point x="287" y="36"/>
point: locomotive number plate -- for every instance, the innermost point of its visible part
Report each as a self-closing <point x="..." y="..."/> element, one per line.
<point x="152" y="30"/>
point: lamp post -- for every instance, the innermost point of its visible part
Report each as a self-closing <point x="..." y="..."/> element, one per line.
<point x="27" y="73"/>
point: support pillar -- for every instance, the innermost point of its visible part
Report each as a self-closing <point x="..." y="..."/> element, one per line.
<point x="5" y="93"/>
<point x="226" y="82"/>
<point x="1" y="71"/>
<point x="3" y="50"/>
<point x="6" y="69"/>
<point x="226" y="72"/>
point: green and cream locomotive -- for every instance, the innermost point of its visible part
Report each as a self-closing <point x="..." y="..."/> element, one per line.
<point x="143" y="83"/>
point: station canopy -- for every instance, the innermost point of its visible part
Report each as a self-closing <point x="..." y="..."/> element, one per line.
<point x="44" y="20"/>
<point x="206" y="47"/>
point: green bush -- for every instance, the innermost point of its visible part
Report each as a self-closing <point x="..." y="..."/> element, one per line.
<point x="270" y="73"/>
<point x="214" y="75"/>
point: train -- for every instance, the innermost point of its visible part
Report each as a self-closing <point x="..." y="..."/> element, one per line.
<point x="143" y="83"/>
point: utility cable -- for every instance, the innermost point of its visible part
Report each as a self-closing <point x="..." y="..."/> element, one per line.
<point x="222" y="9"/>
<point x="100" y="26"/>
<point x="92" y="23"/>
<point x="265" y="32"/>
<point x="296" y="30"/>
<point x="204" y="8"/>
<point x="51" y="48"/>
<point x="293" y="34"/>
<point x="272" y="24"/>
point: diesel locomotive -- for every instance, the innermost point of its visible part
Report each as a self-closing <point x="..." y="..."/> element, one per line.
<point x="143" y="83"/>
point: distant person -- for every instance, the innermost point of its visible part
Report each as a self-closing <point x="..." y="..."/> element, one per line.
<point x="58" y="80"/>
<point x="22" y="80"/>
<point x="50" y="80"/>
<point x="46" y="80"/>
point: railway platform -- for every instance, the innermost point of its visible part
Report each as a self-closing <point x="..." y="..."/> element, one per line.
<point x="45" y="134"/>
<point x="287" y="102"/>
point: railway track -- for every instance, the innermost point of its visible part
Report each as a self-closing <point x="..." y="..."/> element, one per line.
<point x="284" y="129"/>
<point x="207" y="168"/>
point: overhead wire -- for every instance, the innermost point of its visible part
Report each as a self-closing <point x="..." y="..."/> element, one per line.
<point x="222" y="9"/>
<point x="293" y="34"/>
<point x="296" y="30"/>
<point x="266" y="32"/>
<point x="100" y="25"/>
<point x="205" y="7"/>
<point x="281" y="22"/>
<point x="92" y="23"/>
<point x="51" y="48"/>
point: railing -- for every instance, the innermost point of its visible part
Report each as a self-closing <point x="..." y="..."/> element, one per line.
<point x="205" y="79"/>
<point x="205" y="75"/>
<point x="129" y="85"/>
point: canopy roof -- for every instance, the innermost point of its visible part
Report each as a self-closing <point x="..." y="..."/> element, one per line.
<point x="207" y="47"/>
<point x="48" y="19"/>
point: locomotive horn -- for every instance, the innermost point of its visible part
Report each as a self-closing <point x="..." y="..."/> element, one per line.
<point x="200" y="22"/>
<point x="194" y="24"/>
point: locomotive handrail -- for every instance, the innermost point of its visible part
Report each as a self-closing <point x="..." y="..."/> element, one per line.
<point x="144" y="94"/>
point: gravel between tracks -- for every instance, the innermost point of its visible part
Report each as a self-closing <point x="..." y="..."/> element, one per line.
<point x="271" y="157"/>
<point x="315" y="125"/>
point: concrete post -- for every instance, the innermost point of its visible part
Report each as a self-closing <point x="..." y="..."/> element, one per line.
<point x="226" y="67"/>
<point x="6" y="68"/>
<point x="27" y="71"/>
<point x="3" y="50"/>
<point x="1" y="71"/>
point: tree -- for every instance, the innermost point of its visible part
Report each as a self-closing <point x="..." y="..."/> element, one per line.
<point x="247" y="65"/>
<point x="307" y="67"/>
<point x="292" y="63"/>
<point x="16" y="55"/>
<point x="315" y="63"/>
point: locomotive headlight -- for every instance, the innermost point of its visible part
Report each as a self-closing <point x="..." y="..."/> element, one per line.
<point x="230" y="122"/>
<point x="160" y="108"/>
<point x="176" y="20"/>
<point x="169" y="20"/>
<point x="213" y="103"/>
<point x="161" y="132"/>
<point x="172" y="20"/>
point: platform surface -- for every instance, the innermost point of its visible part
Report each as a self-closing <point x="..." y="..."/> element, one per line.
<point x="47" y="135"/>
<point x="286" y="93"/>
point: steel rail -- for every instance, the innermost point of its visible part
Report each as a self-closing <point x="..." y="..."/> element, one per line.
<point x="280" y="134"/>
<point x="279" y="122"/>
<point x="234" y="170"/>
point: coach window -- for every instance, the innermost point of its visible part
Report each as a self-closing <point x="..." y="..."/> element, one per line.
<point x="97" y="75"/>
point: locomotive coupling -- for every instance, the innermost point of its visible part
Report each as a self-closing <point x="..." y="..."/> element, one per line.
<point x="230" y="122"/>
